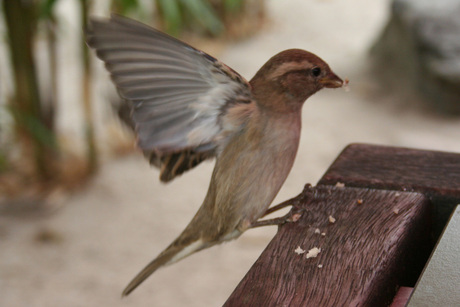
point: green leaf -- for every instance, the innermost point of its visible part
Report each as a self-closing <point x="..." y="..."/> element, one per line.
<point x="35" y="127"/>
<point x="3" y="162"/>
<point x="231" y="6"/>
<point x="46" y="9"/>
<point x="204" y="14"/>
<point x="40" y="132"/>
<point x="171" y="15"/>
<point x="126" y="6"/>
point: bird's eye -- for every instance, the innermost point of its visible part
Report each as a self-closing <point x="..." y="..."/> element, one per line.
<point x="316" y="71"/>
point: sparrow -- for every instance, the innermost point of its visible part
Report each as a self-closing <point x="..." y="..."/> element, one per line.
<point x="187" y="107"/>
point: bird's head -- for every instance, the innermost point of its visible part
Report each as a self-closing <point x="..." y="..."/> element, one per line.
<point x="290" y="77"/>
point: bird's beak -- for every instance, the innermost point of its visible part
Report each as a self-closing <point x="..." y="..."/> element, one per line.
<point x="331" y="81"/>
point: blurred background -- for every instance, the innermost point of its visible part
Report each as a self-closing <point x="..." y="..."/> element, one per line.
<point x="81" y="211"/>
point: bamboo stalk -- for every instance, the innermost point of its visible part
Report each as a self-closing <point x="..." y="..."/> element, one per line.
<point x="35" y="139"/>
<point x="91" y="151"/>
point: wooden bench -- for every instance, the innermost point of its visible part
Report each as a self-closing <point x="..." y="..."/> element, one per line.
<point x="374" y="217"/>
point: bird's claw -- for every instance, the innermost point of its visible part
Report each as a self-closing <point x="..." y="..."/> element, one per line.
<point x="293" y="216"/>
<point x="293" y="202"/>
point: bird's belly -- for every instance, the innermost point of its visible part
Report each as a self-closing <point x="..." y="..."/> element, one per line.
<point x="264" y="182"/>
<point x="249" y="174"/>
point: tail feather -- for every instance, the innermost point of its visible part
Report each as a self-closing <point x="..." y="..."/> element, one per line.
<point x="169" y="256"/>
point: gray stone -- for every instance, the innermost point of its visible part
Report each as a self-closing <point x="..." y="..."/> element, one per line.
<point x="419" y="49"/>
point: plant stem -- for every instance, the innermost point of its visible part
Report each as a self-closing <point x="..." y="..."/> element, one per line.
<point x="36" y="140"/>
<point x="91" y="154"/>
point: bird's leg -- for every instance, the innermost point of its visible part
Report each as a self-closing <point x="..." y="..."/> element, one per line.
<point x="294" y="202"/>
<point x="293" y="216"/>
<point x="284" y="204"/>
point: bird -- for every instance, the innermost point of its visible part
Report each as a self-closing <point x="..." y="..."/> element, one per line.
<point x="187" y="107"/>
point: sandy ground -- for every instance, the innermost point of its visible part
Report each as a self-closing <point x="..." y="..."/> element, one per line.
<point x="104" y="234"/>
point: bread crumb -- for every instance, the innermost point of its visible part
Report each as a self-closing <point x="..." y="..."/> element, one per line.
<point x="320" y="266"/>
<point x="317" y="230"/>
<point x="323" y="234"/>
<point x="296" y="216"/>
<point x="345" y="85"/>
<point x="331" y="219"/>
<point x="340" y="185"/>
<point x="396" y="211"/>
<point x="313" y="253"/>
<point x="299" y="250"/>
<point x="359" y="201"/>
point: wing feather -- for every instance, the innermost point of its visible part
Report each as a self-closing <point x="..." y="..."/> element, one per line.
<point x="176" y="94"/>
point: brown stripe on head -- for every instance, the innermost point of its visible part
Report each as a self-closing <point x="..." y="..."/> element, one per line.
<point x="286" y="67"/>
<point x="289" y="60"/>
<point x="289" y="78"/>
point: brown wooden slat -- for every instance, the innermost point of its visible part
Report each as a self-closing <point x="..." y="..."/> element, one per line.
<point x="433" y="173"/>
<point x="365" y="255"/>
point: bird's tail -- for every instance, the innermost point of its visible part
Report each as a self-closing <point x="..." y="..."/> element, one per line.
<point x="175" y="252"/>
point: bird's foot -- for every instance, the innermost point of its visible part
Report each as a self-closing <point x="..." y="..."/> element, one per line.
<point x="284" y="204"/>
<point x="294" y="202"/>
<point x="293" y="216"/>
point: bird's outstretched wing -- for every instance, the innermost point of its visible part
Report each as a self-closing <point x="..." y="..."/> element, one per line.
<point x="177" y="94"/>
